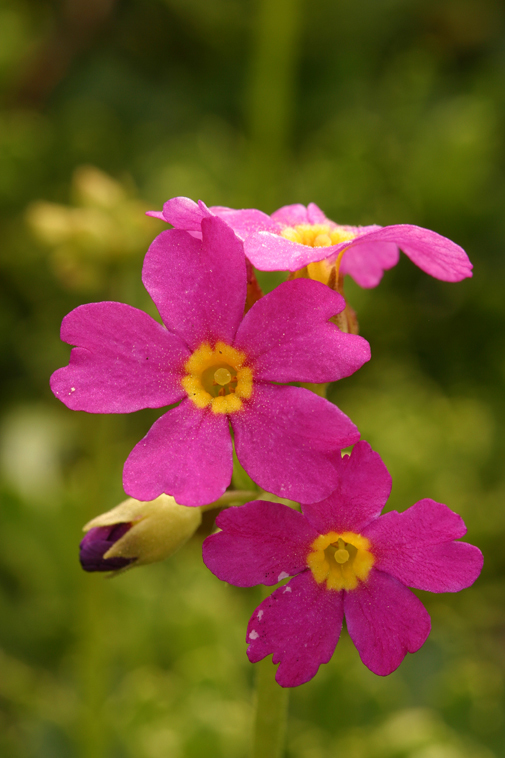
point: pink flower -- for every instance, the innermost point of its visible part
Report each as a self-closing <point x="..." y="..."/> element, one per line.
<point x="345" y="559"/>
<point x="296" y="236"/>
<point x="222" y="368"/>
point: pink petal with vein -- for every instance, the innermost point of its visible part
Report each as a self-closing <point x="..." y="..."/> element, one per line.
<point x="300" y="625"/>
<point x="287" y="335"/>
<point x="315" y="215"/>
<point x="418" y="548"/>
<point x="292" y="215"/>
<point x="187" y="453"/>
<point x="385" y="620"/>
<point x="246" y="553"/>
<point x="246" y="221"/>
<point x="286" y="439"/>
<point x="367" y="262"/>
<point x="156" y="214"/>
<point x="199" y="287"/>
<point x="124" y="361"/>
<point x="361" y="492"/>
<point x="434" y="254"/>
<point x="271" y="252"/>
<point x="182" y="213"/>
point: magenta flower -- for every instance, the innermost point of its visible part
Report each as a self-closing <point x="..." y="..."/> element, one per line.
<point x="345" y="559"/>
<point x="296" y="236"/>
<point x="222" y="368"/>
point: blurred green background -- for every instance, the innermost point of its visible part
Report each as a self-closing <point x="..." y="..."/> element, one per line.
<point x="380" y="111"/>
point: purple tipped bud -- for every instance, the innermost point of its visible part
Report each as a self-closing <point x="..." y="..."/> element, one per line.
<point x="97" y="542"/>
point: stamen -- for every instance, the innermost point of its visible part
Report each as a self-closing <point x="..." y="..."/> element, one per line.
<point x="222" y="376"/>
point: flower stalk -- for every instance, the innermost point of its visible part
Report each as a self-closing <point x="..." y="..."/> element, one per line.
<point x="271" y="712"/>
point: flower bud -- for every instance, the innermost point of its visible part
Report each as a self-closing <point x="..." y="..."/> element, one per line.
<point x="136" y="532"/>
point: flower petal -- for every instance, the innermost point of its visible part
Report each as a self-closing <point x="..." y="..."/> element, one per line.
<point x="315" y="215"/>
<point x="271" y="252"/>
<point x="366" y="262"/>
<point x="187" y="453"/>
<point x="292" y="215"/>
<point x="156" y="214"/>
<point x="434" y="254"/>
<point x="199" y="287"/>
<point x="288" y="338"/>
<point x="246" y="221"/>
<point x="361" y="492"/>
<point x="300" y="625"/>
<point x="260" y="543"/>
<point x="124" y="361"/>
<point x="182" y="213"/>
<point x="418" y="548"/>
<point x="385" y="620"/>
<point x="286" y="439"/>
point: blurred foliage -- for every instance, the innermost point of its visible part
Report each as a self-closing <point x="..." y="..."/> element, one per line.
<point x="380" y="112"/>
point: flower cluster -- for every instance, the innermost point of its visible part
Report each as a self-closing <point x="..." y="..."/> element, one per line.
<point x="230" y="364"/>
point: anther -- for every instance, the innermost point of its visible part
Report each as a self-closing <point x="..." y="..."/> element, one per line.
<point x="222" y="376"/>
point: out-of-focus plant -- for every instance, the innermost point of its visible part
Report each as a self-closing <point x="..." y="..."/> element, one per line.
<point x="104" y="226"/>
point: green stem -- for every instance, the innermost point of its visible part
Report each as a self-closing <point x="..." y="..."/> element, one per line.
<point x="271" y="713"/>
<point x="231" y="497"/>
<point x="270" y="95"/>
<point x="94" y="652"/>
<point x="319" y="389"/>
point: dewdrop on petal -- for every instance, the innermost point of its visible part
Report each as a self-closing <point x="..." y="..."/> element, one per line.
<point x="136" y="532"/>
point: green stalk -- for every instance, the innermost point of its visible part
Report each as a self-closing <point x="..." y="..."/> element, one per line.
<point x="230" y="498"/>
<point x="270" y="98"/>
<point x="271" y="713"/>
<point x="94" y="648"/>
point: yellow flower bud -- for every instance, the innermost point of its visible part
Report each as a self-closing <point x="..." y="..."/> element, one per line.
<point x="151" y="531"/>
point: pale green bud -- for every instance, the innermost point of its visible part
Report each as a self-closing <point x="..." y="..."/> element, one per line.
<point x="155" y="530"/>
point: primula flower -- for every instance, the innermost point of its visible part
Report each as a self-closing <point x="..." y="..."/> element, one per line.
<point x="345" y="559"/>
<point x="296" y="236"/>
<point x="135" y="533"/>
<point x="222" y="368"/>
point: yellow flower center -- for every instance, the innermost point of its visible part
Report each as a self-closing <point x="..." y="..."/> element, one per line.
<point x="317" y="235"/>
<point x="340" y="560"/>
<point x="217" y="376"/>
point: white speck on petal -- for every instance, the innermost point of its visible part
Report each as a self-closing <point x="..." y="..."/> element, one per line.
<point x="260" y="614"/>
<point x="287" y="589"/>
<point x="253" y="635"/>
<point x="72" y="389"/>
<point x="282" y="575"/>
